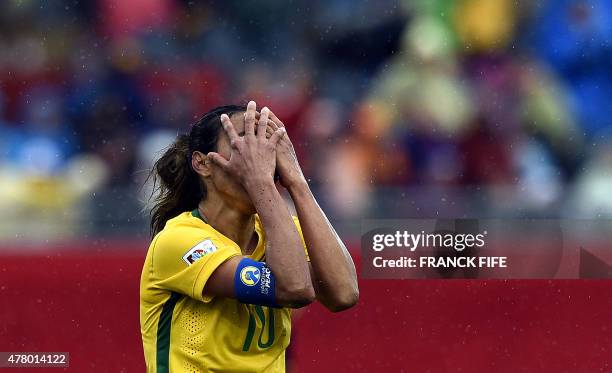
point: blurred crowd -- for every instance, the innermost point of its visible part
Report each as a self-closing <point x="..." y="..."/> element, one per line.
<point x="396" y="108"/>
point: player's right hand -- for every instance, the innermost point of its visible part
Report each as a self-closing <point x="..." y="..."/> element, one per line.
<point x="253" y="157"/>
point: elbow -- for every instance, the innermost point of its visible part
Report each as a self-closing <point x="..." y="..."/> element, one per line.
<point x="296" y="297"/>
<point x="344" y="301"/>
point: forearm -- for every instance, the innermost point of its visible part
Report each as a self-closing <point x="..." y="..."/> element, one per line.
<point x="284" y="252"/>
<point x="334" y="275"/>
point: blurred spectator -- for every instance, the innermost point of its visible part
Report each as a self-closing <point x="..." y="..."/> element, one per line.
<point x="439" y="97"/>
<point x="591" y="195"/>
<point x="574" y="38"/>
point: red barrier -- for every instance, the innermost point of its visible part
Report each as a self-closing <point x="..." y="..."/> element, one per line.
<point x="86" y="302"/>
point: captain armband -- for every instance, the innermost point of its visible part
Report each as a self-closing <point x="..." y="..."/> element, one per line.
<point x="254" y="283"/>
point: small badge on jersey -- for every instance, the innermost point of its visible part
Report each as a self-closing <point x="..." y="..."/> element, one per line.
<point x="203" y="248"/>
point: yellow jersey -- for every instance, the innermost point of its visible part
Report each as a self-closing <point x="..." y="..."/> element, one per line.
<point x="186" y="331"/>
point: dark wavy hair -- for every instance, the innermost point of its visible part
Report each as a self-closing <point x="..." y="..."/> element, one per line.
<point x="176" y="186"/>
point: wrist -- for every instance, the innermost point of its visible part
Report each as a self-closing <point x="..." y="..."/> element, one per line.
<point x="294" y="180"/>
<point x="257" y="183"/>
<point x="297" y="187"/>
<point x="263" y="194"/>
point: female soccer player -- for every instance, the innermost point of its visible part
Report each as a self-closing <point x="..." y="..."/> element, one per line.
<point x="228" y="261"/>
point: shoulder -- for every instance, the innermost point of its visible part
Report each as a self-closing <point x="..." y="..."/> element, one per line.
<point x="186" y="237"/>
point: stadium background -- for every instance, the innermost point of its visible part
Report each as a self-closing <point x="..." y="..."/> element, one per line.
<point x="468" y="108"/>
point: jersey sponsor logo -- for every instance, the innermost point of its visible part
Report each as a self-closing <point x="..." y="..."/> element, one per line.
<point x="201" y="249"/>
<point x="250" y="275"/>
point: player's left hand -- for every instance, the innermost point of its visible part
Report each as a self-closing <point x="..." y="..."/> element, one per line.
<point x="287" y="164"/>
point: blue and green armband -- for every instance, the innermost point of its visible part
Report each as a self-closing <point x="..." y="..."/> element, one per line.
<point x="254" y="283"/>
